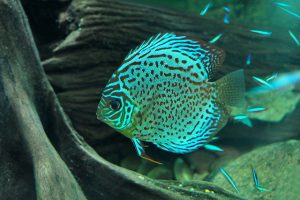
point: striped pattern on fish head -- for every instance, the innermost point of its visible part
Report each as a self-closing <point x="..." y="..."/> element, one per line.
<point x="116" y="108"/>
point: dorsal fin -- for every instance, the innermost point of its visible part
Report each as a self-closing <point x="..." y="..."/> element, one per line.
<point x="213" y="58"/>
<point x="151" y="43"/>
<point x="209" y="56"/>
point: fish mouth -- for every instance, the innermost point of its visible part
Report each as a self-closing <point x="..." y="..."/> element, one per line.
<point x="99" y="115"/>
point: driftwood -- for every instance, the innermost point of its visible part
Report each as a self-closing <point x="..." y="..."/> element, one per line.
<point x="42" y="155"/>
<point x="101" y="33"/>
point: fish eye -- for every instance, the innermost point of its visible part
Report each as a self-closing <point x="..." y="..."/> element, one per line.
<point x="115" y="104"/>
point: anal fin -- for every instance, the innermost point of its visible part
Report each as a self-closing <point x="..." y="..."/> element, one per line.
<point x="141" y="151"/>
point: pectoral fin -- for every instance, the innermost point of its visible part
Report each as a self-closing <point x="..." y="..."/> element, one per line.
<point x="141" y="151"/>
<point x="213" y="147"/>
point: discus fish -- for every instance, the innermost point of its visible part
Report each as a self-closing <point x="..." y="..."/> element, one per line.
<point x="163" y="93"/>
<point x="256" y="181"/>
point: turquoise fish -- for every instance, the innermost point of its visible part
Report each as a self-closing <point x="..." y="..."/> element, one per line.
<point x="164" y="93"/>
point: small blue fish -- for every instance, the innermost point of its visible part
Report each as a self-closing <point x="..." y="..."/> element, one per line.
<point x="258" y="109"/>
<point x="256" y="181"/>
<point x="204" y="11"/>
<point x="261" y="32"/>
<point x="213" y="148"/>
<point x="226" y="9"/>
<point x="230" y="180"/>
<point x="249" y="59"/>
<point x="243" y="119"/>
<point x="215" y="39"/>
<point x="290" y="12"/>
<point x="271" y="78"/>
<point x="214" y="138"/>
<point x="261" y="81"/>
<point x="281" y="4"/>
<point x="226" y="19"/>
<point x="240" y="117"/>
<point x="294" y="38"/>
<point x="281" y="81"/>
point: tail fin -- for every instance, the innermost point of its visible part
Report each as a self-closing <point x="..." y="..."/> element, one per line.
<point x="231" y="89"/>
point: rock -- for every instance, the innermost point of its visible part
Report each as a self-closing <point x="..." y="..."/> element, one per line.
<point x="114" y="158"/>
<point x="278" y="169"/>
<point x="131" y="162"/>
<point x="229" y="154"/>
<point x="200" y="177"/>
<point x="145" y="167"/>
<point x="182" y="171"/>
<point x="201" y="160"/>
<point x="160" y="173"/>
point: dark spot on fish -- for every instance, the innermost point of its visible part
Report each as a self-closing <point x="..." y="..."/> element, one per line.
<point x="131" y="80"/>
<point x="195" y="75"/>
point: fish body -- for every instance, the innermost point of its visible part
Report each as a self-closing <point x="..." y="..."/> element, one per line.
<point x="261" y="32"/>
<point x="228" y="177"/>
<point x="256" y="181"/>
<point x="163" y="93"/>
<point x="204" y="11"/>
